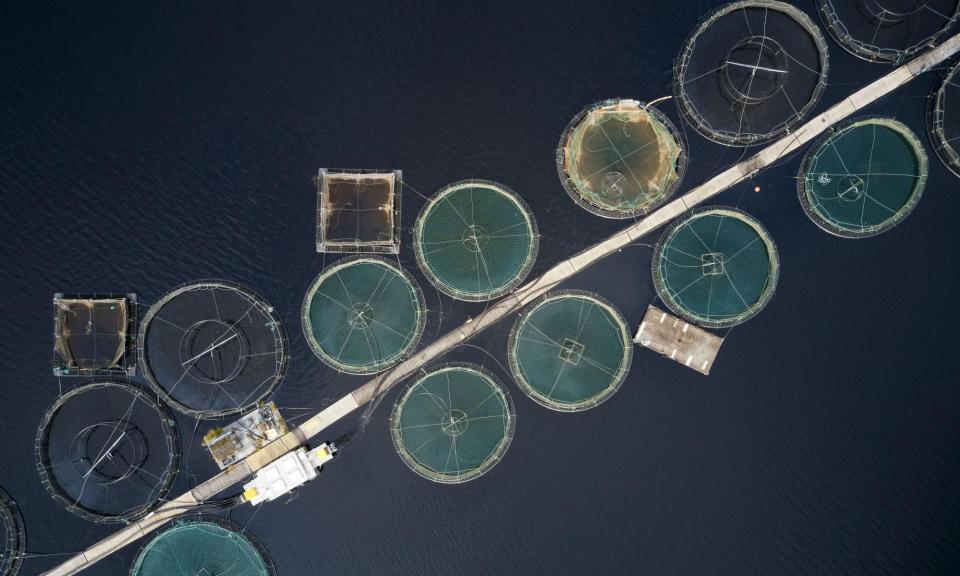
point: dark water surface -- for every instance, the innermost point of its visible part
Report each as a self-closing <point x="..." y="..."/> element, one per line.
<point x="145" y="145"/>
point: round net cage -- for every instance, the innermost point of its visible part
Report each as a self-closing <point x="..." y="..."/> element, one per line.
<point x="475" y="240"/>
<point x="717" y="268"/>
<point x="750" y="71"/>
<point x="570" y="350"/>
<point x="863" y="178"/>
<point x="212" y="348"/>
<point x="14" y="535"/>
<point x="944" y="120"/>
<point x="107" y="451"/>
<point x="453" y="423"/>
<point x="363" y="314"/>
<point x="203" y="546"/>
<point x="888" y="30"/>
<point x="620" y="158"/>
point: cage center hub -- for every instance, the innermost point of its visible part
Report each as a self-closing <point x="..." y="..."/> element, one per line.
<point x="474" y="237"/>
<point x="755" y="69"/>
<point x="108" y="451"/>
<point x="850" y="188"/>
<point x="455" y="422"/>
<point x="213" y="351"/>
<point x="361" y="315"/>
<point x="712" y="264"/>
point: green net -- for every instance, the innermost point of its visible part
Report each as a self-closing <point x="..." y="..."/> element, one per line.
<point x="570" y="351"/>
<point x="362" y="314"/>
<point x="620" y="159"/>
<point x="475" y="240"/>
<point x="453" y="424"/>
<point x="863" y="178"/>
<point x="203" y="548"/>
<point x="717" y="268"/>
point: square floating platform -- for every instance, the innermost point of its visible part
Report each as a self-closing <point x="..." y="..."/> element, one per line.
<point x="94" y="334"/>
<point x="712" y="263"/>
<point x="358" y="211"/>
<point x="678" y="340"/>
<point x="571" y="351"/>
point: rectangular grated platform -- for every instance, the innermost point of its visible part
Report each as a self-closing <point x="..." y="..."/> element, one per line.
<point x="685" y="343"/>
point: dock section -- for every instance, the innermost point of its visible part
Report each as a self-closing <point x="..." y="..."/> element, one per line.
<point x="678" y="340"/>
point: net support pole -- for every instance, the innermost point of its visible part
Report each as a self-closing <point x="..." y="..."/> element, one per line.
<point x="513" y="302"/>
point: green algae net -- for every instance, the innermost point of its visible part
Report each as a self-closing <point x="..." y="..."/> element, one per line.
<point x="716" y="268"/>
<point x="570" y="350"/>
<point x="363" y="314"/>
<point x="475" y="240"/>
<point x="453" y="424"/>
<point x="203" y="547"/>
<point x="863" y="178"/>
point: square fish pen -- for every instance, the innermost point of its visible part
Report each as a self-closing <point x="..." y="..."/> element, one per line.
<point x="93" y="334"/>
<point x="358" y="211"/>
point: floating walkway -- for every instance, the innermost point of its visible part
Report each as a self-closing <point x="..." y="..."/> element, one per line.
<point x="524" y="295"/>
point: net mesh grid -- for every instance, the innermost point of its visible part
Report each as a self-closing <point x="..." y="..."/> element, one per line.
<point x="363" y="314"/>
<point x="570" y="350"/>
<point x="888" y="30"/>
<point x="943" y="120"/>
<point x="93" y="334"/>
<point x="476" y="240"/>
<point x="863" y="178"/>
<point x="716" y="268"/>
<point x="203" y="546"/>
<point x="107" y="451"/>
<point x="620" y="158"/>
<point x="750" y="71"/>
<point x="358" y="210"/>
<point x="212" y="348"/>
<point x="453" y="423"/>
<point x="14" y="535"/>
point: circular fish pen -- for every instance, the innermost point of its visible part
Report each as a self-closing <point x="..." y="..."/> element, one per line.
<point x="888" y="30"/>
<point x="362" y="314"/>
<point x="212" y="348"/>
<point x="944" y="120"/>
<point x="475" y="240"/>
<point x="14" y="535"/>
<point x="203" y="545"/>
<point x="570" y="350"/>
<point x="716" y="268"/>
<point x="863" y="178"/>
<point x="107" y="451"/>
<point x="620" y="158"/>
<point x="453" y="423"/>
<point x="751" y="71"/>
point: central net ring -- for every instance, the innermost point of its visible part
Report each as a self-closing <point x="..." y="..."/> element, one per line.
<point x="361" y="315"/>
<point x="613" y="185"/>
<point x="754" y="70"/>
<point x="850" y="188"/>
<point x="213" y="351"/>
<point x="109" y="451"/>
<point x="455" y="423"/>
<point x="474" y="238"/>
